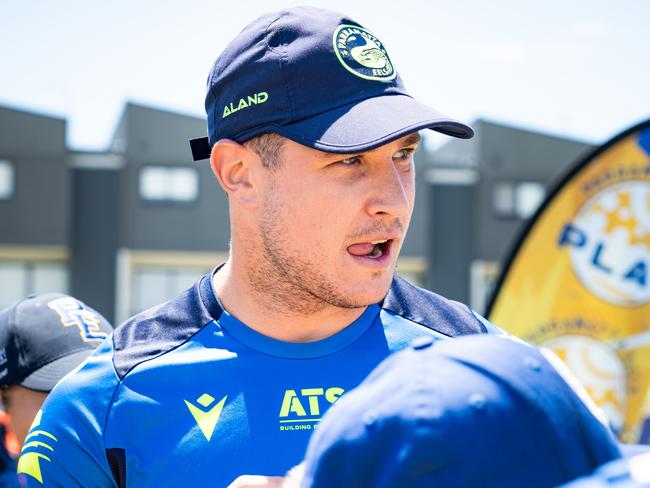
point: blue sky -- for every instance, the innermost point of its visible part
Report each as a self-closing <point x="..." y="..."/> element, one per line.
<point x="575" y="68"/>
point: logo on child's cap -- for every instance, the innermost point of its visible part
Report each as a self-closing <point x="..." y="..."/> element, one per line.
<point x="44" y="337"/>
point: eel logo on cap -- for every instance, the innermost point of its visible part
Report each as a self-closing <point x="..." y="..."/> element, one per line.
<point x="362" y="54"/>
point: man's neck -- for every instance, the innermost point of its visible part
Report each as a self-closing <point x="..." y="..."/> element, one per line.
<point x="266" y="315"/>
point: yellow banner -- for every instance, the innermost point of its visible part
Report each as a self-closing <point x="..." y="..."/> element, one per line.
<point x="578" y="280"/>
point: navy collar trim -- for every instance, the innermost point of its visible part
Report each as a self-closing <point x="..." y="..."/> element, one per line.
<point x="209" y="297"/>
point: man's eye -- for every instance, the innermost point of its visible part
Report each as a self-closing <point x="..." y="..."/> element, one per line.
<point x="354" y="160"/>
<point x="404" y="153"/>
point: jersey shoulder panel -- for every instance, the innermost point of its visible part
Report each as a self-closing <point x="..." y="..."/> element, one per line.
<point x="164" y="327"/>
<point x="431" y="310"/>
<point x="490" y="327"/>
<point x="65" y="444"/>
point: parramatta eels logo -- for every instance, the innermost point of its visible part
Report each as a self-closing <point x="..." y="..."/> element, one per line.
<point x="609" y="242"/>
<point x="74" y="313"/>
<point x="362" y="54"/>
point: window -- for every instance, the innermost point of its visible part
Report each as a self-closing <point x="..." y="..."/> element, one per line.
<point x="169" y="184"/>
<point x="13" y="283"/>
<point x="49" y="277"/>
<point x="6" y="180"/>
<point x="528" y="197"/>
<point x="21" y="278"/>
<point x="482" y="279"/>
<point x="517" y="200"/>
<point x="503" y="199"/>
<point x="156" y="284"/>
<point x="147" y="277"/>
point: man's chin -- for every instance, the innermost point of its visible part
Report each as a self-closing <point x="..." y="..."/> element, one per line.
<point x="370" y="294"/>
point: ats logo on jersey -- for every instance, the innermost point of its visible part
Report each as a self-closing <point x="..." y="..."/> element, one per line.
<point x="302" y="409"/>
<point x="74" y="313"/>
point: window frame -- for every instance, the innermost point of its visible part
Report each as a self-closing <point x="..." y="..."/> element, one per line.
<point x="515" y="210"/>
<point x="168" y="201"/>
<point x="12" y="180"/>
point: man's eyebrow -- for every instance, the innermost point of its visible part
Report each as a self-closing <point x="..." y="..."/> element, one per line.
<point x="409" y="140"/>
<point x="412" y="139"/>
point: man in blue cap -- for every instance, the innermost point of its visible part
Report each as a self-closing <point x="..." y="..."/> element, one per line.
<point x="311" y="134"/>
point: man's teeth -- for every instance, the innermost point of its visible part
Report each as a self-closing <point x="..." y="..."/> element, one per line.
<point x="378" y="242"/>
<point x="376" y="252"/>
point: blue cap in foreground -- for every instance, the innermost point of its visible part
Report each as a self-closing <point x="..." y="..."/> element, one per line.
<point x="474" y="411"/>
<point x="316" y="77"/>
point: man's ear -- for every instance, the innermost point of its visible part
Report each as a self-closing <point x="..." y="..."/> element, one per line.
<point x="234" y="165"/>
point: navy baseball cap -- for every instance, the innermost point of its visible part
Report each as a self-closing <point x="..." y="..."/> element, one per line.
<point x="478" y="410"/>
<point x="44" y="337"/>
<point x="316" y="77"/>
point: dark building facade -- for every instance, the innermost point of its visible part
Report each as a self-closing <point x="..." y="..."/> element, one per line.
<point x="481" y="193"/>
<point x="148" y="216"/>
<point x="34" y="204"/>
<point x="132" y="226"/>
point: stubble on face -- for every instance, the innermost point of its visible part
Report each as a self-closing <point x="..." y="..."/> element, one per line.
<point x="288" y="281"/>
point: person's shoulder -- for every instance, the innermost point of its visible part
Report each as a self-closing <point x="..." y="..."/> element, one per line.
<point x="440" y="314"/>
<point x="75" y="419"/>
<point x="69" y="427"/>
<point x="164" y="327"/>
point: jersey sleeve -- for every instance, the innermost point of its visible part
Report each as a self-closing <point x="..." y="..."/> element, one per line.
<point x="65" y="444"/>
<point x="489" y="326"/>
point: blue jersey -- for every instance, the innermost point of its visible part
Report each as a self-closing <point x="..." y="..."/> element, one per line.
<point x="185" y="394"/>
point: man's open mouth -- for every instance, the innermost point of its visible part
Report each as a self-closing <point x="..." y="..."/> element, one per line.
<point x="372" y="250"/>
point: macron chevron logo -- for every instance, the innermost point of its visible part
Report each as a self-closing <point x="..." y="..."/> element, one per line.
<point x="206" y="416"/>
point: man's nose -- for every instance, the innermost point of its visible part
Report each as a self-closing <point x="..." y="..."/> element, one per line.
<point x="391" y="192"/>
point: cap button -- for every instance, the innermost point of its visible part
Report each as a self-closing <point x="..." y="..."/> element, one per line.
<point x="422" y="342"/>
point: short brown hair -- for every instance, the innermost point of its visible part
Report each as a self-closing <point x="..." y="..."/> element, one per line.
<point x="268" y="147"/>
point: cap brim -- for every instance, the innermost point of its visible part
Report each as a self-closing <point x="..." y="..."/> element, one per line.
<point x="373" y="122"/>
<point x="46" y="377"/>
<point x="358" y="126"/>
